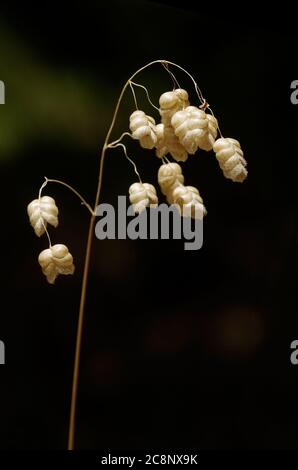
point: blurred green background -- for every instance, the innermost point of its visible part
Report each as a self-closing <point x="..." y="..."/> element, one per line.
<point x="181" y="349"/>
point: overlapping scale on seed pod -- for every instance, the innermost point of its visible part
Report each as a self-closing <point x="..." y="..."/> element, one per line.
<point x="190" y="126"/>
<point x="170" y="102"/>
<point x="207" y="141"/>
<point x="189" y="201"/>
<point x="230" y="157"/>
<point x="56" y="260"/>
<point x="41" y="212"/>
<point x="168" y="142"/>
<point x="142" y="195"/>
<point x="143" y="129"/>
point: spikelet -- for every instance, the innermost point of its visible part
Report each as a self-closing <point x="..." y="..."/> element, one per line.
<point x="161" y="147"/>
<point x="142" y="195"/>
<point x="56" y="260"/>
<point x="169" y="177"/>
<point x="143" y="129"/>
<point x="189" y="201"/>
<point x="230" y="157"/>
<point x="42" y="211"/>
<point x="168" y="142"/>
<point x="170" y="102"/>
<point x="190" y="126"/>
<point x="207" y="141"/>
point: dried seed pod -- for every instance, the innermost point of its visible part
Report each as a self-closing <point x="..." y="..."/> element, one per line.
<point x="207" y="141"/>
<point x="142" y="195"/>
<point x="168" y="142"/>
<point x="161" y="147"/>
<point x="56" y="260"/>
<point x="42" y="211"/>
<point x="170" y="102"/>
<point x="189" y="201"/>
<point x="230" y="157"/>
<point x="190" y="126"/>
<point x="143" y="129"/>
<point x="169" y="177"/>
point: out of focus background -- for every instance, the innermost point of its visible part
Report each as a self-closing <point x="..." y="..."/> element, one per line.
<point x="181" y="349"/>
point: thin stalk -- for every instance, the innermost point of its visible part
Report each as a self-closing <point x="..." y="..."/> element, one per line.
<point x="49" y="180"/>
<point x="71" y="435"/>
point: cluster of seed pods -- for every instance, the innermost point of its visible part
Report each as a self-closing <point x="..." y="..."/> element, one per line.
<point x="183" y="130"/>
<point x="56" y="259"/>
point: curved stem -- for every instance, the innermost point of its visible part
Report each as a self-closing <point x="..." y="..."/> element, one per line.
<point x="74" y="394"/>
<point x="40" y="214"/>
<point x="173" y="78"/>
<point x="218" y="128"/>
<point x="197" y="88"/>
<point x="134" y="95"/>
<point x="48" y="180"/>
<point x="112" y="144"/>
<point x="147" y="94"/>
<point x="89" y="248"/>
<point x="128" y="158"/>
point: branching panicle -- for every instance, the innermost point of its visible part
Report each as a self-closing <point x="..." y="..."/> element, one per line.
<point x="182" y="130"/>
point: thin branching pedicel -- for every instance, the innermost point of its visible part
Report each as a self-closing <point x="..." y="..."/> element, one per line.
<point x="184" y="129"/>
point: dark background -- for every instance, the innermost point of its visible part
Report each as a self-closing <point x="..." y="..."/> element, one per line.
<point x="180" y="349"/>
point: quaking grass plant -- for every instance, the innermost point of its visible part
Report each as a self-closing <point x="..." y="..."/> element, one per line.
<point x="183" y="129"/>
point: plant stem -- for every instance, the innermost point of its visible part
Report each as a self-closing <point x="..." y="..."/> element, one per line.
<point x="50" y="180"/>
<point x="71" y="435"/>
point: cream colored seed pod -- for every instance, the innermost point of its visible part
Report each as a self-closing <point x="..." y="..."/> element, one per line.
<point x="230" y="157"/>
<point x="143" y="129"/>
<point x="190" y="126"/>
<point x="142" y="195"/>
<point x="42" y="211"/>
<point x="56" y="260"/>
<point x="207" y="141"/>
<point x="161" y="147"/>
<point x="168" y="142"/>
<point x="171" y="102"/>
<point x="189" y="201"/>
<point x="169" y="177"/>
